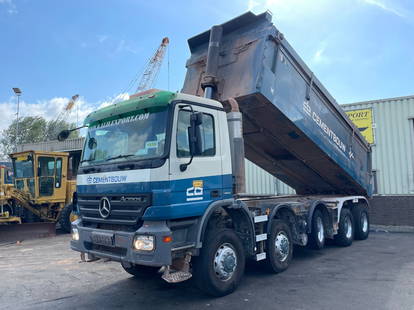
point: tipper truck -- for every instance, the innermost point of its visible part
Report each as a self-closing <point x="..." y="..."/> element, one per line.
<point x="161" y="184"/>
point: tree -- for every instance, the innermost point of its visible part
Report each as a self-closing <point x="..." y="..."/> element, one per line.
<point x="32" y="129"/>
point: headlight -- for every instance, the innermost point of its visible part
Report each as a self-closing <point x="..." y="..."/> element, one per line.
<point x="75" y="234"/>
<point x="143" y="243"/>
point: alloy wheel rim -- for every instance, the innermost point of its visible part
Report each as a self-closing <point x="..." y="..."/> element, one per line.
<point x="364" y="222"/>
<point x="282" y="246"/>
<point x="225" y="262"/>
<point x="321" y="230"/>
<point x="348" y="227"/>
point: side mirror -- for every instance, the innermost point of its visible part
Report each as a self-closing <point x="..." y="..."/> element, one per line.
<point x="194" y="137"/>
<point x="194" y="133"/>
<point x="92" y="143"/>
<point x="63" y="135"/>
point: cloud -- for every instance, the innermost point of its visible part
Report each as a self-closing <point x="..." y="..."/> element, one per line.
<point x="252" y="4"/>
<point x="124" y="46"/>
<point x="102" y="38"/>
<point x="383" y="6"/>
<point x="50" y="109"/>
<point x="11" y="6"/>
<point x="319" y="57"/>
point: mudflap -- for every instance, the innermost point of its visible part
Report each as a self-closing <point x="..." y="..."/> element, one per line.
<point x="19" y="232"/>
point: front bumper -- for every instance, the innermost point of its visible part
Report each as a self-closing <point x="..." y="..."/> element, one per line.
<point x="122" y="250"/>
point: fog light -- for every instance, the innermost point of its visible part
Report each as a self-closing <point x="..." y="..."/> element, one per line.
<point x="75" y="234"/>
<point x="144" y="243"/>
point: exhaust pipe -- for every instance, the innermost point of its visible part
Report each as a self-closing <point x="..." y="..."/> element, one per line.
<point x="235" y="122"/>
<point x="209" y="83"/>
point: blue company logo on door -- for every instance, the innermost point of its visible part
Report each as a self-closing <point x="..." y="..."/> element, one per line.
<point x="106" y="179"/>
<point x="195" y="192"/>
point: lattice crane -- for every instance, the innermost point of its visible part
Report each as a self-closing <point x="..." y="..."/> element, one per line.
<point x="68" y="107"/>
<point x="153" y="67"/>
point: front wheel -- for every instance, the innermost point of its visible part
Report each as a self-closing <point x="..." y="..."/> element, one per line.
<point x="279" y="247"/>
<point x="220" y="266"/>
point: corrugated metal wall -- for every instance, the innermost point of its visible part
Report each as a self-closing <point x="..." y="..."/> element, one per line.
<point x="258" y="181"/>
<point x="393" y="148"/>
<point x="53" y="146"/>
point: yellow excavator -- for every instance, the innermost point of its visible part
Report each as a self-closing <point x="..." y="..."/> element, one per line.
<point x="43" y="188"/>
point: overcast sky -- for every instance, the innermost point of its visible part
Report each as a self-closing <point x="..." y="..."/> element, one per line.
<point x="359" y="49"/>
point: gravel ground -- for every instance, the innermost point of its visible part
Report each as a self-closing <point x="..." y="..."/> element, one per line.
<point x="377" y="273"/>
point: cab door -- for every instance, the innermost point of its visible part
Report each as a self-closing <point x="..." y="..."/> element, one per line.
<point x="196" y="186"/>
<point x="50" y="174"/>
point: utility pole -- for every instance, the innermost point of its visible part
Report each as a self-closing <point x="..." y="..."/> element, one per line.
<point x="18" y="92"/>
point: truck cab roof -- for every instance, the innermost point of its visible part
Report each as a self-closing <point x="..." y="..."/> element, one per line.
<point x="141" y="101"/>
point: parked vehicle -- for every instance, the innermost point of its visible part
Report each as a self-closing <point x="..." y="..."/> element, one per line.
<point x="42" y="191"/>
<point x="161" y="183"/>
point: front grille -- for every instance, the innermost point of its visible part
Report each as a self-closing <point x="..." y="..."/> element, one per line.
<point x="125" y="209"/>
<point x="105" y="249"/>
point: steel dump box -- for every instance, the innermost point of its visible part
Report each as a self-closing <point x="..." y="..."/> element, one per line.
<point x="292" y="126"/>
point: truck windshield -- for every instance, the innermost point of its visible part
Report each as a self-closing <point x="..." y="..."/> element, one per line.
<point x="23" y="167"/>
<point x="141" y="136"/>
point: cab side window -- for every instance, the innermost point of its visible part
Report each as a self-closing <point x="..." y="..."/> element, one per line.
<point x="207" y="135"/>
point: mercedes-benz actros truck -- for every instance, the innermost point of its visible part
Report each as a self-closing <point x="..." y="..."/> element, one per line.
<point x="161" y="185"/>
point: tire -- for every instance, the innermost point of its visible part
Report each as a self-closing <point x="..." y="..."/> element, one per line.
<point x="209" y="270"/>
<point x="139" y="271"/>
<point x="317" y="236"/>
<point x="345" y="234"/>
<point x="361" y="218"/>
<point x="279" y="247"/>
<point x="65" y="216"/>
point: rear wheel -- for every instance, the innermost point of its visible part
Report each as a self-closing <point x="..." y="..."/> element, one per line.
<point x="220" y="266"/>
<point x="317" y="235"/>
<point x="361" y="218"/>
<point x="345" y="234"/>
<point x="279" y="247"/>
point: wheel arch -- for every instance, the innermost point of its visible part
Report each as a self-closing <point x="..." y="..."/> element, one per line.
<point x="286" y="213"/>
<point x="241" y="219"/>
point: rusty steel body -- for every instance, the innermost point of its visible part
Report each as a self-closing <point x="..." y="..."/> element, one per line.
<point x="318" y="153"/>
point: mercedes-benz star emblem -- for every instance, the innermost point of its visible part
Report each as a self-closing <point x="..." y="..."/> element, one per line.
<point x="104" y="207"/>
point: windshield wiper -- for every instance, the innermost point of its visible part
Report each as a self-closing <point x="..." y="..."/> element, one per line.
<point x="119" y="156"/>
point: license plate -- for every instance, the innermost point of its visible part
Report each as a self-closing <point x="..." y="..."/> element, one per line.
<point x="103" y="238"/>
